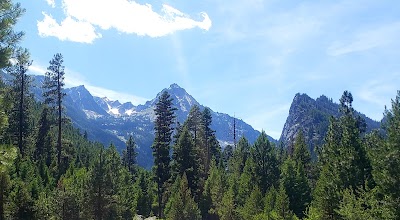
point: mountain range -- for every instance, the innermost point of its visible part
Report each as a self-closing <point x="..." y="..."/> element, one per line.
<point x="110" y="121"/>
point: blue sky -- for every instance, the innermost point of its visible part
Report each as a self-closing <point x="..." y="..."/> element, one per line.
<point x="247" y="58"/>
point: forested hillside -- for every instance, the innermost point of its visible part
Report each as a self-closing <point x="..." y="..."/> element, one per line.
<point x="50" y="170"/>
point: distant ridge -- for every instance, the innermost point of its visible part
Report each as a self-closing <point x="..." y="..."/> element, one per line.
<point x="312" y="117"/>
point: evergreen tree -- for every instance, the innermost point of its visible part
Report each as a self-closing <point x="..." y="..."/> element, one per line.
<point x="54" y="95"/>
<point x="296" y="186"/>
<point x="164" y="119"/>
<point x="212" y="148"/>
<point x="343" y="160"/>
<point x="20" y="118"/>
<point x="264" y="157"/>
<point x="385" y="155"/>
<point x="240" y="155"/>
<point x="193" y="122"/>
<point x="364" y="204"/>
<point x="247" y="181"/>
<point x="301" y="154"/>
<point x="214" y="190"/>
<point x="143" y="190"/>
<point x="270" y="201"/>
<point x="130" y="156"/>
<point x="43" y="147"/>
<point x="100" y="189"/>
<point x="228" y="207"/>
<point x="254" y="204"/>
<point x="185" y="160"/>
<point x="282" y="210"/>
<point x="9" y="15"/>
<point x="182" y="204"/>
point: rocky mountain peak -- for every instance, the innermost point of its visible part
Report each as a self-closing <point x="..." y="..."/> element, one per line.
<point x="312" y="117"/>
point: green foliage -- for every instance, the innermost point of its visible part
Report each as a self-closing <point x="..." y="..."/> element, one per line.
<point x="246" y="181"/>
<point x="214" y="190"/>
<point x="343" y="160"/>
<point x="281" y="209"/>
<point x="266" y="162"/>
<point x="182" y="204"/>
<point x="129" y="159"/>
<point x="228" y="210"/>
<point x="9" y="15"/>
<point x="240" y="155"/>
<point x="254" y="205"/>
<point x="385" y="155"/>
<point x="53" y="93"/>
<point x="20" y="123"/>
<point x="185" y="159"/>
<point x="164" y="119"/>
<point x="364" y="205"/>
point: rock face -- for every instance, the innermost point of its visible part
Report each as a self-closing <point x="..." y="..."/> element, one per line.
<point x="312" y="117"/>
<point x="109" y="121"/>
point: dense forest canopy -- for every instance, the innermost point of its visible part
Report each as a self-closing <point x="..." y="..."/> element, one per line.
<point x="50" y="170"/>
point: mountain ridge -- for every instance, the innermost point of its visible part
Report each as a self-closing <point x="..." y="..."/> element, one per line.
<point x="312" y="117"/>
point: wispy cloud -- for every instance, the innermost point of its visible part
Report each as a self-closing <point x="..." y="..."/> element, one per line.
<point x="368" y="39"/>
<point x="73" y="79"/>
<point x="125" y="16"/>
<point x="267" y="119"/>
<point x="374" y="91"/>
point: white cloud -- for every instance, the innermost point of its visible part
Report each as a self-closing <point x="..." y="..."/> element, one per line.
<point x="69" y="29"/>
<point x="125" y="16"/>
<point x="73" y="79"/>
<point x="37" y="69"/>
<point x="365" y="40"/>
<point x="52" y="3"/>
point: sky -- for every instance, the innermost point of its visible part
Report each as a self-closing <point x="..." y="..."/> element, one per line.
<point x="245" y="58"/>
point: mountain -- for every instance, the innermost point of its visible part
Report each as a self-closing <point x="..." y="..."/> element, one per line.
<point x="312" y="117"/>
<point x="110" y="121"/>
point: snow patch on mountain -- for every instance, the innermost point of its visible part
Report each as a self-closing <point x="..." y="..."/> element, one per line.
<point x="92" y="114"/>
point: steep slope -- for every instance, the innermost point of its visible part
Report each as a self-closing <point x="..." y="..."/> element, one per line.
<point x="312" y="117"/>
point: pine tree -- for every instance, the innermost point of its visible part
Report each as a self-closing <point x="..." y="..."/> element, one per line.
<point x="9" y="15"/>
<point x="43" y="147"/>
<point x="296" y="187"/>
<point x="100" y="190"/>
<point x="228" y="207"/>
<point x="185" y="160"/>
<point x="240" y="155"/>
<point x="301" y="154"/>
<point x="182" y="204"/>
<point x="130" y="156"/>
<point x="385" y="156"/>
<point x="212" y="148"/>
<point x="20" y="118"/>
<point x="270" y="201"/>
<point x="214" y="190"/>
<point x="54" y="95"/>
<point x="164" y="119"/>
<point x="282" y="210"/>
<point x="247" y="181"/>
<point x="254" y="204"/>
<point x="343" y="161"/>
<point x="266" y="162"/>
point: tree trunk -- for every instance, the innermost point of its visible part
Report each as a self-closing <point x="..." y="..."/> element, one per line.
<point x="21" y="117"/>
<point x="59" y="121"/>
